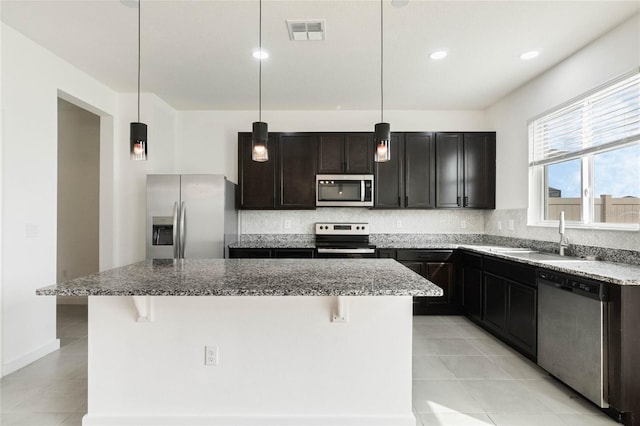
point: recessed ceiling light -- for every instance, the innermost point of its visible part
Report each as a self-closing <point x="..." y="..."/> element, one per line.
<point x="438" y="54"/>
<point x="260" y="54"/>
<point x="530" y="55"/>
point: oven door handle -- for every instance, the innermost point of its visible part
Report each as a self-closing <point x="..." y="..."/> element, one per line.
<point x="346" y="251"/>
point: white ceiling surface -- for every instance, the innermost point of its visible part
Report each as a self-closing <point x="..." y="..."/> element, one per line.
<point x="197" y="55"/>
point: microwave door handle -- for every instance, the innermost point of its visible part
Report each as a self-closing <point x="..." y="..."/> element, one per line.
<point x="362" y="190"/>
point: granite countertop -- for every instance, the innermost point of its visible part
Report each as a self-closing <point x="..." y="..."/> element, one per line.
<point x="274" y="244"/>
<point x="610" y="272"/>
<point x="251" y="277"/>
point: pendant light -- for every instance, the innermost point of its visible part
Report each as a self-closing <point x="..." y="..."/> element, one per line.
<point x="382" y="133"/>
<point x="138" y="130"/>
<point x="259" y="136"/>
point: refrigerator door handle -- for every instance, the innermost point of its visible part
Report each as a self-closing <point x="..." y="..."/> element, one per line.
<point x="183" y="233"/>
<point x="176" y="249"/>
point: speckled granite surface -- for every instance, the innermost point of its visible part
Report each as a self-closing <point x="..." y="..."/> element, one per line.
<point x="252" y="277"/>
<point x="621" y="267"/>
<point x="610" y="272"/>
<point x="274" y="241"/>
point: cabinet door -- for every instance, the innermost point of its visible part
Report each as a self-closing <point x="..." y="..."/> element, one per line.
<point x="256" y="181"/>
<point x="495" y="302"/>
<point x="419" y="170"/>
<point x="417" y="267"/>
<point x="297" y="165"/>
<point x="472" y="291"/>
<point x="522" y="314"/>
<point x="449" y="170"/>
<point x="330" y="153"/>
<point x="358" y="153"/>
<point x="388" y="182"/>
<point x="479" y="170"/>
<point x="441" y="274"/>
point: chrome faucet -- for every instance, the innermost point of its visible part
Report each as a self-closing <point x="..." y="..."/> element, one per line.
<point x="564" y="241"/>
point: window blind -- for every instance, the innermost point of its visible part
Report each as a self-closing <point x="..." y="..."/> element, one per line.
<point x="604" y="119"/>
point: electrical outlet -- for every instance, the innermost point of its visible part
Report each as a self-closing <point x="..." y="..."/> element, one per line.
<point x="511" y="225"/>
<point x="463" y="224"/>
<point x="287" y="224"/>
<point x="398" y="223"/>
<point x="211" y="356"/>
<point x="499" y="225"/>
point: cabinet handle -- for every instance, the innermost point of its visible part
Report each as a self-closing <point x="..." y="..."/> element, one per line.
<point x="466" y="202"/>
<point x="458" y="201"/>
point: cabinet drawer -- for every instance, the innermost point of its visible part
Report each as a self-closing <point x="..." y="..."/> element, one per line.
<point x="518" y="272"/>
<point x="426" y="255"/>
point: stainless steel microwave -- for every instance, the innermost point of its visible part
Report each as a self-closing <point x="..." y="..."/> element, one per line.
<point x="344" y="190"/>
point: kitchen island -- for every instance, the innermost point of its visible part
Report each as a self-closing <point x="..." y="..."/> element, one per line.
<point x="290" y="342"/>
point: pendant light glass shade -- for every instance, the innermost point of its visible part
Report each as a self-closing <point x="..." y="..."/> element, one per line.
<point x="383" y="142"/>
<point x="138" y="141"/>
<point x="260" y="134"/>
<point x="137" y="130"/>
<point x="382" y="133"/>
<point x="259" y="151"/>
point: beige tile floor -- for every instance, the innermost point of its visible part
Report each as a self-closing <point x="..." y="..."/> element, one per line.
<point x="461" y="376"/>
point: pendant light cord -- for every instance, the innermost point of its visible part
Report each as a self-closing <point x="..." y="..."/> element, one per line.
<point x="260" y="67"/>
<point x="381" y="63"/>
<point x="139" y="3"/>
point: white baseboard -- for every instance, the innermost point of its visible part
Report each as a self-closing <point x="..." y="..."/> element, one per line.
<point x="24" y="360"/>
<point x="95" y="420"/>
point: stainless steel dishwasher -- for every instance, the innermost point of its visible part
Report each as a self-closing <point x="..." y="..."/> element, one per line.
<point x="572" y="340"/>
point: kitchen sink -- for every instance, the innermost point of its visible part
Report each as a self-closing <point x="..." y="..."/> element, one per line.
<point x="510" y="250"/>
<point x="544" y="257"/>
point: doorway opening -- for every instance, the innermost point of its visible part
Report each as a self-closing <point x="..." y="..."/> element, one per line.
<point x="78" y="223"/>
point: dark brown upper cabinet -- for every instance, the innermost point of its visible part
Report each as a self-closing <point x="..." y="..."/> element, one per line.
<point x="256" y="181"/>
<point x="407" y="181"/>
<point x="419" y="170"/>
<point x="465" y="170"/>
<point x="297" y="171"/>
<point x="388" y="185"/>
<point x="350" y="153"/>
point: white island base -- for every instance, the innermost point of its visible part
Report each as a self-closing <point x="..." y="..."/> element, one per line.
<point x="281" y="361"/>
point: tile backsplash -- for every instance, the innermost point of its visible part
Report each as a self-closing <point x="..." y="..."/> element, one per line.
<point x="507" y="227"/>
<point x="380" y="221"/>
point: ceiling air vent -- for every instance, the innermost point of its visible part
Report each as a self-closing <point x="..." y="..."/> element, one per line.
<point x="303" y="30"/>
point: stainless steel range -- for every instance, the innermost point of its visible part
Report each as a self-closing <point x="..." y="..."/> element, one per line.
<point x="344" y="240"/>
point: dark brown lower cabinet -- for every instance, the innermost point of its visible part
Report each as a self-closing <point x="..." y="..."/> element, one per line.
<point x="510" y="303"/>
<point x="437" y="266"/>
<point x="623" y="317"/>
<point x="495" y="302"/>
<point x="470" y="282"/>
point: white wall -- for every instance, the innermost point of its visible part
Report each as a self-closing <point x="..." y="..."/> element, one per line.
<point x="31" y="78"/>
<point x="208" y="141"/>
<point x="616" y="53"/>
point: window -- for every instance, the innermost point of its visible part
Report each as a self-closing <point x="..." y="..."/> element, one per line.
<point x="585" y="158"/>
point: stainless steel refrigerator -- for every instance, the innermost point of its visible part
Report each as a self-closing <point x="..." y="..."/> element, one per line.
<point x="190" y="216"/>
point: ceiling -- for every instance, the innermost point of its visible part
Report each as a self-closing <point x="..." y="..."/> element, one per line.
<point x="197" y="55"/>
